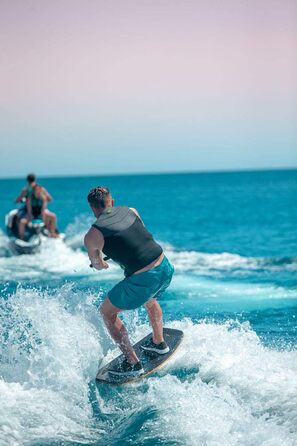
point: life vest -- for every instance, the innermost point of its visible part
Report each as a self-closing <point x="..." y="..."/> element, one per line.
<point x="126" y="240"/>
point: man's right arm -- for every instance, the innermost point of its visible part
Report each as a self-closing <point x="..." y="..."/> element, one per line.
<point x="22" y="195"/>
<point x="94" y="242"/>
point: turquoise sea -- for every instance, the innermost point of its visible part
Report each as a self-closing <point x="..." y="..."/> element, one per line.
<point x="232" y="238"/>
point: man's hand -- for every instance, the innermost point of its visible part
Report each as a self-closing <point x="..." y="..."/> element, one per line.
<point x="99" y="265"/>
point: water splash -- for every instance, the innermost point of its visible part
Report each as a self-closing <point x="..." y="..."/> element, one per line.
<point x="222" y="387"/>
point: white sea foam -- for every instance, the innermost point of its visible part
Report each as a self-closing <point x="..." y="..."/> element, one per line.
<point x="222" y="387"/>
<point x="233" y="291"/>
<point x="76" y="230"/>
<point x="56" y="258"/>
<point x="4" y="251"/>
<point x="49" y="350"/>
<point x="69" y="258"/>
<point x="222" y="263"/>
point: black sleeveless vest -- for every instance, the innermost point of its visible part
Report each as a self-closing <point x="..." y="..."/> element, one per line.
<point x="126" y="240"/>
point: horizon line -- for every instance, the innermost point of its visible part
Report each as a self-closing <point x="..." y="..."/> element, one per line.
<point x="178" y="172"/>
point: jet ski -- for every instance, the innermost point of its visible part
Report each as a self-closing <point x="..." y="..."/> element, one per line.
<point x="34" y="232"/>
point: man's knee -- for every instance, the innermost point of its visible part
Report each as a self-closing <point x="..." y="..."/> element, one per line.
<point x="50" y="214"/>
<point x="151" y="303"/>
<point x="107" y="310"/>
<point x="102" y="310"/>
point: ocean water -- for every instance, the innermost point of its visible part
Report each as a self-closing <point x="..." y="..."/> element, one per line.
<point x="233" y="240"/>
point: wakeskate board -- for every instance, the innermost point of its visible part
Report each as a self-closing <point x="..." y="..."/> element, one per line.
<point x="151" y="362"/>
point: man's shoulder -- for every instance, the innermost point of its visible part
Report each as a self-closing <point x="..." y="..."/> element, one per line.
<point x="28" y="190"/>
<point x="94" y="232"/>
<point x="135" y="211"/>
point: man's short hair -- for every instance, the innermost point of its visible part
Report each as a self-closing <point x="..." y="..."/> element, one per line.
<point x="31" y="178"/>
<point x="98" y="197"/>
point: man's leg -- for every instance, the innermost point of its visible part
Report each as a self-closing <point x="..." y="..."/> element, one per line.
<point x="117" y="330"/>
<point x="156" y="318"/>
<point x="22" y="227"/>
<point x="50" y="221"/>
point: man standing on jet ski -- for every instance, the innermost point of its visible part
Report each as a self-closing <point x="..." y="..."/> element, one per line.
<point x="24" y="215"/>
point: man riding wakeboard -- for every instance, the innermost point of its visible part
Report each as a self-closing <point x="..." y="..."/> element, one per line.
<point x="120" y="234"/>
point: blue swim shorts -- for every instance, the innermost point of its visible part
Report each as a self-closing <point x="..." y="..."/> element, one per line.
<point x="135" y="290"/>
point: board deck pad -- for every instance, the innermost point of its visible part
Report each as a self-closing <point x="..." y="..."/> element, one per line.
<point x="151" y="362"/>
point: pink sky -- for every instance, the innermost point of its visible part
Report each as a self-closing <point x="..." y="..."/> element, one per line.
<point x="108" y="71"/>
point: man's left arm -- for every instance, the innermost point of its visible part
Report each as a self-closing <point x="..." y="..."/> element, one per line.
<point x="44" y="205"/>
<point x="47" y="194"/>
<point x="94" y="242"/>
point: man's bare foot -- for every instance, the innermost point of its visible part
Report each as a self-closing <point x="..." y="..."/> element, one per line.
<point x="53" y="235"/>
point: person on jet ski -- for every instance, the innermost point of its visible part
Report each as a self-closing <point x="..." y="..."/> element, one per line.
<point x="26" y="191"/>
<point x="49" y="218"/>
<point x="35" y="204"/>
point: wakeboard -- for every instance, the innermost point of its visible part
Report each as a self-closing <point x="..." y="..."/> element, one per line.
<point x="151" y="362"/>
